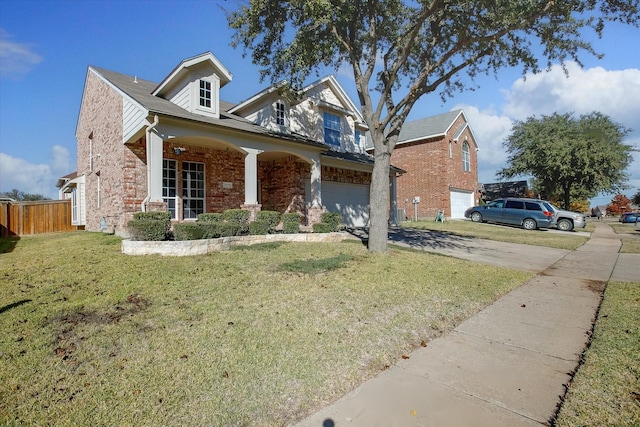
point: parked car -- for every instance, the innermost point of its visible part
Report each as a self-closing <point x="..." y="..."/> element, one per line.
<point x="568" y="220"/>
<point x="629" y="217"/>
<point x="530" y="214"/>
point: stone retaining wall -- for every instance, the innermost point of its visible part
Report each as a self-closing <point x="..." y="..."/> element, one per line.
<point x="205" y="246"/>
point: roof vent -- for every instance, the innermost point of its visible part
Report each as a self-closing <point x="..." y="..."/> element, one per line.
<point x="135" y="79"/>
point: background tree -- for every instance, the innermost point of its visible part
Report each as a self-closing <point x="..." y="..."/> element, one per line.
<point x="636" y="198"/>
<point x="570" y="159"/>
<point x="399" y="51"/>
<point x="619" y="205"/>
<point x="21" y="196"/>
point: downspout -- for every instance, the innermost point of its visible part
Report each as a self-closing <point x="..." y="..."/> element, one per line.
<point x="152" y="126"/>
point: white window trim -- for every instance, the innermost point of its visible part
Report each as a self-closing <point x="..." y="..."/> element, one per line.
<point x="176" y="200"/>
<point x="324" y="128"/>
<point x="466" y="157"/>
<point x="204" y="191"/>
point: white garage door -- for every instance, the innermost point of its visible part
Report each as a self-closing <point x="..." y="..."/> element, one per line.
<point x="352" y="200"/>
<point x="460" y="202"/>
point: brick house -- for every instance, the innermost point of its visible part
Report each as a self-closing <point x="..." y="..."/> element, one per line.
<point x="439" y="155"/>
<point x="176" y="146"/>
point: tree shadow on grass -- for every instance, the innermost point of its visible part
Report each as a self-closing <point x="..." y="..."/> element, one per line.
<point x="13" y="305"/>
<point x="8" y="244"/>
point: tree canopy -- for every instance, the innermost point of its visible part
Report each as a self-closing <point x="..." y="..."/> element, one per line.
<point x="21" y="196"/>
<point x="399" y="51"/>
<point x="569" y="158"/>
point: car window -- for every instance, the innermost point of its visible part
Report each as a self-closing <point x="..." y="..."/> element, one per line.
<point x="550" y="207"/>
<point x="496" y="204"/>
<point x="533" y="206"/>
<point x="514" y="204"/>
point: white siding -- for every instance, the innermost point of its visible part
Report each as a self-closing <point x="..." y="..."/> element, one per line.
<point x="181" y="98"/>
<point x="132" y="119"/>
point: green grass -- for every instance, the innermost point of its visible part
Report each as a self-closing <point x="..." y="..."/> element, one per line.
<point x="262" y="335"/>
<point x="606" y="388"/>
<point x="502" y="233"/>
<point x="630" y="236"/>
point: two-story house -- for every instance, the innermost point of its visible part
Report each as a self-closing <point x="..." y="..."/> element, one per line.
<point x="176" y="146"/>
<point x="439" y="157"/>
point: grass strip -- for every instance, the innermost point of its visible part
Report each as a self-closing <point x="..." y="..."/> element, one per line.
<point x="606" y="388"/>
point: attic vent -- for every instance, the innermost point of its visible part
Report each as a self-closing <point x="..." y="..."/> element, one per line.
<point x="135" y="79"/>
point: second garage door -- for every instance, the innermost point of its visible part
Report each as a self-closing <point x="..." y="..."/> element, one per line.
<point x="460" y="202"/>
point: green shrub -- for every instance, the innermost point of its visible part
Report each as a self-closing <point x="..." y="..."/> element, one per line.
<point x="259" y="227"/>
<point x="187" y="231"/>
<point x="148" y="229"/>
<point x="236" y="215"/>
<point x="158" y="216"/>
<point x="230" y="228"/>
<point x="238" y="220"/>
<point x="270" y="217"/>
<point x="323" y="227"/>
<point x="291" y="223"/>
<point x="149" y="226"/>
<point x="334" y="219"/>
<point x="210" y="230"/>
<point x="210" y="217"/>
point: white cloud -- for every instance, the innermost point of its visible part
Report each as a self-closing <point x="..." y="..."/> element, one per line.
<point x="17" y="173"/>
<point x="614" y="93"/>
<point x="490" y="130"/>
<point x="611" y="92"/>
<point x="16" y="59"/>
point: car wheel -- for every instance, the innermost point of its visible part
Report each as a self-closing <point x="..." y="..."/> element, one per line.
<point x="476" y="217"/>
<point x="529" y="224"/>
<point x="565" y="225"/>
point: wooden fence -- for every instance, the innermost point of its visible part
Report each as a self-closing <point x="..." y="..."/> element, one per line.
<point x="22" y="218"/>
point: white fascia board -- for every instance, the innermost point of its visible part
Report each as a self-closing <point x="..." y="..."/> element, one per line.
<point x="225" y="75"/>
<point x="258" y="96"/>
<point x="421" y="138"/>
<point x="454" y="120"/>
<point x="340" y="94"/>
<point x="112" y="86"/>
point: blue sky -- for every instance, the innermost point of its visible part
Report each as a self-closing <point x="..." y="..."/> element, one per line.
<point x="46" y="47"/>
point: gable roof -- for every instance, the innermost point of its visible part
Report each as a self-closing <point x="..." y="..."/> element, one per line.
<point x="139" y="91"/>
<point x="183" y="68"/>
<point x="431" y="127"/>
<point x="330" y="80"/>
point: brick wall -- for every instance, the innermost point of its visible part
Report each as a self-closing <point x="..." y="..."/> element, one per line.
<point x="431" y="172"/>
<point x="100" y="132"/>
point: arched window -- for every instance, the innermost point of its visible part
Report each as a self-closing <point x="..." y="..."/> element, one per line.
<point x="466" y="157"/>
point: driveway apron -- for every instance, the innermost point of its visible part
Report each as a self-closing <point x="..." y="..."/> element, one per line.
<point x="506" y="366"/>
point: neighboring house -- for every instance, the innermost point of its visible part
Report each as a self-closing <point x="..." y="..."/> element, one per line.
<point x="498" y="190"/>
<point x="176" y="146"/>
<point x="439" y="157"/>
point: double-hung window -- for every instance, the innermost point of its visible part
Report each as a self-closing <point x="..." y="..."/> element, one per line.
<point x="466" y="157"/>
<point x="170" y="186"/>
<point x="205" y="93"/>
<point x="280" y="113"/>
<point x="331" y="129"/>
<point x="192" y="189"/>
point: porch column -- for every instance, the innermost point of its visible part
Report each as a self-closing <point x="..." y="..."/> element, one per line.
<point x="154" y="167"/>
<point x="251" y="176"/>
<point x="315" y="211"/>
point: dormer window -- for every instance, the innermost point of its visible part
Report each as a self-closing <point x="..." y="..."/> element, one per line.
<point x="280" y="113"/>
<point x="205" y="94"/>
<point x="331" y="129"/>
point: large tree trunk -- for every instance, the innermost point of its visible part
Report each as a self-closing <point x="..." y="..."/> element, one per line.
<point x="379" y="202"/>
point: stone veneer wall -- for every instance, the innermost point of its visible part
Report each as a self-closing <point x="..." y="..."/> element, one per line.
<point x="205" y="246"/>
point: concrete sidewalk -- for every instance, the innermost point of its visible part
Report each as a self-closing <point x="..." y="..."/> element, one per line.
<point x="506" y="366"/>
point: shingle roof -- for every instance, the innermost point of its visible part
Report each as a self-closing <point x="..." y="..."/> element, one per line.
<point x="140" y="91"/>
<point x="428" y="127"/>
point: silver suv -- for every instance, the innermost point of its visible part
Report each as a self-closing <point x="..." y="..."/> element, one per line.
<point x="568" y="220"/>
<point x="531" y="214"/>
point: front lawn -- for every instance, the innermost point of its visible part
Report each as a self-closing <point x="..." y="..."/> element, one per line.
<point x="262" y="335"/>
<point x="505" y="233"/>
<point x="606" y="388"/>
<point x="630" y="236"/>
